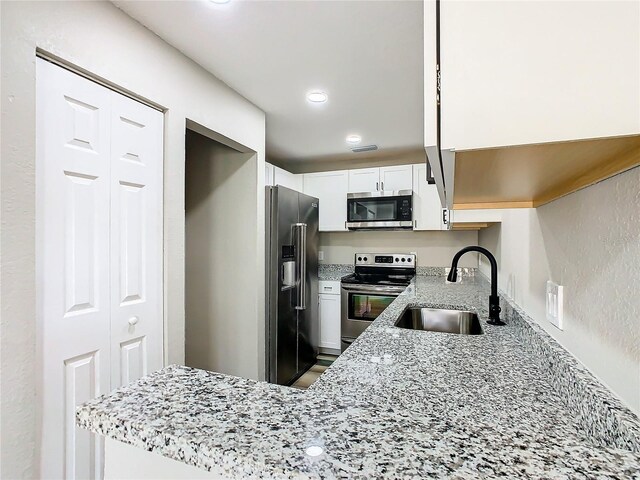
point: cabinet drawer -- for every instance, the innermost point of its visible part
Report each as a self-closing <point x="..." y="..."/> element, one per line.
<point x="331" y="287"/>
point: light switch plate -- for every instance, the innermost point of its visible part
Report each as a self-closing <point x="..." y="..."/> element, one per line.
<point x="320" y="255"/>
<point x="555" y="303"/>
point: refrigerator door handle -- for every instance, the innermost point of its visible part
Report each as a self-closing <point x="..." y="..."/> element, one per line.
<point x="300" y="230"/>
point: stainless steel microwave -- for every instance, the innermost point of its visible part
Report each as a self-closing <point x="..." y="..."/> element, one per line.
<point x="386" y="209"/>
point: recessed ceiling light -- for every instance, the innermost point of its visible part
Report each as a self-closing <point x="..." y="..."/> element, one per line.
<point x="219" y="2"/>
<point x="354" y="139"/>
<point x="314" y="451"/>
<point x="317" y="97"/>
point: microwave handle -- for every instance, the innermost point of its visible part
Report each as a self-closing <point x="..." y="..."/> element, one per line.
<point x="300" y="235"/>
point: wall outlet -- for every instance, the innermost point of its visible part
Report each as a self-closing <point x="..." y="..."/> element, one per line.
<point x="554" y="303"/>
<point x="320" y="255"/>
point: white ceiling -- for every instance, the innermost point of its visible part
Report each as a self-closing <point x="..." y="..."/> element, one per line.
<point x="367" y="55"/>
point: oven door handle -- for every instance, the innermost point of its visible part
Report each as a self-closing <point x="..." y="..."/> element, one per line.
<point x="373" y="289"/>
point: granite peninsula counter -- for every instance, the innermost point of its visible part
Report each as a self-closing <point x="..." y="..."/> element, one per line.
<point x="508" y="403"/>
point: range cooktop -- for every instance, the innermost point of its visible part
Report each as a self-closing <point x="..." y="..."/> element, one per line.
<point x="395" y="269"/>
<point x="377" y="279"/>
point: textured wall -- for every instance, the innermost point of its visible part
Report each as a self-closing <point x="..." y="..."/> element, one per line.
<point x="434" y="249"/>
<point x="589" y="242"/>
<point x="101" y="39"/>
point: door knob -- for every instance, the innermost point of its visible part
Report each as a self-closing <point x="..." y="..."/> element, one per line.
<point x="133" y="321"/>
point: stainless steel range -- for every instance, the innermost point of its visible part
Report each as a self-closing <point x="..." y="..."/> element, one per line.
<point x="378" y="279"/>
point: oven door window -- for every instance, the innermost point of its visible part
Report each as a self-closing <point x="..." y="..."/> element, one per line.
<point x="363" y="306"/>
<point x="372" y="210"/>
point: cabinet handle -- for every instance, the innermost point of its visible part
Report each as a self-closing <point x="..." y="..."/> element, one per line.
<point x="382" y="186"/>
<point x="133" y="321"/>
<point x="377" y="186"/>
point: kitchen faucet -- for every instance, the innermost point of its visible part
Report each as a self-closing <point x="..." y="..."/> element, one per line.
<point x="494" y="300"/>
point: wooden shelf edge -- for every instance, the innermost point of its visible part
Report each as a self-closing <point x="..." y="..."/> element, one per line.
<point x="471" y="225"/>
<point x="492" y="205"/>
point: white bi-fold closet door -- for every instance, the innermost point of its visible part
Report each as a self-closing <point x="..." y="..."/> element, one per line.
<point x="99" y="255"/>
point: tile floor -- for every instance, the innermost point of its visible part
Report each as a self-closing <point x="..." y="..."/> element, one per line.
<point x="311" y="375"/>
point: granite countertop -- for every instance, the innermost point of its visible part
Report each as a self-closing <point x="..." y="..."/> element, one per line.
<point x="334" y="271"/>
<point x="444" y="405"/>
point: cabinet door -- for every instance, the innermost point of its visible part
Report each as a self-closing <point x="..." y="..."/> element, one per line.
<point x="396" y="178"/>
<point x="329" y="313"/>
<point x="287" y="179"/>
<point x="427" y="210"/>
<point x="533" y="88"/>
<point x="331" y="190"/>
<point x="364" y="180"/>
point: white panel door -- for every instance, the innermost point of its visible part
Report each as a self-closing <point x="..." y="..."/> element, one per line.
<point x="72" y="157"/>
<point x="136" y="240"/>
<point x="99" y="256"/>
<point x="330" y="188"/>
<point x="364" y="180"/>
<point x="329" y="313"/>
<point x="427" y="210"/>
<point x="398" y="177"/>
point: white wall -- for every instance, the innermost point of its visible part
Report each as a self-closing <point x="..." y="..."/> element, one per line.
<point x="220" y="326"/>
<point x="434" y="249"/>
<point x="99" y="38"/>
<point x="589" y="242"/>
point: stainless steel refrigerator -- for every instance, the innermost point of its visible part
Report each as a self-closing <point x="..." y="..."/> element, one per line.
<point x="292" y="284"/>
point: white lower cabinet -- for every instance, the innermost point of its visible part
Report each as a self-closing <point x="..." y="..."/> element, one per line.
<point x="427" y="210"/>
<point x="331" y="189"/>
<point x="329" y="315"/>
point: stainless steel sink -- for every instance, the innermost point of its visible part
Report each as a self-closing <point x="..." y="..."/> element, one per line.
<point x="437" y="320"/>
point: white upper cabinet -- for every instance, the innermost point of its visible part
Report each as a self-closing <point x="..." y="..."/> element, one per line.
<point x="430" y="82"/>
<point x="398" y="177"/>
<point x="331" y="190"/>
<point x="517" y="73"/>
<point x="364" y="180"/>
<point x="269" y="171"/>
<point x="427" y="210"/>
<point x="287" y="179"/>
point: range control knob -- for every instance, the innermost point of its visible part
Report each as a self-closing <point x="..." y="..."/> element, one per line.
<point x="359" y="259"/>
<point x="397" y="260"/>
<point x="365" y="259"/>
